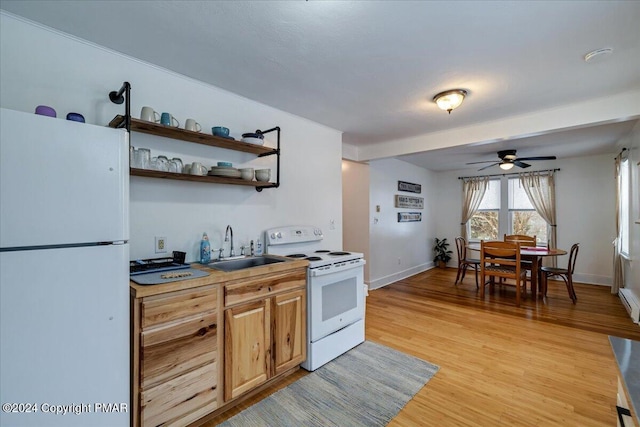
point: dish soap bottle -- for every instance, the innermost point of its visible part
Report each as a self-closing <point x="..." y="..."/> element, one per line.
<point x="258" y="247"/>
<point x="205" y="249"/>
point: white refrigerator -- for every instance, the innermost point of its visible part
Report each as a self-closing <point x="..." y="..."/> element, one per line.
<point x="64" y="273"/>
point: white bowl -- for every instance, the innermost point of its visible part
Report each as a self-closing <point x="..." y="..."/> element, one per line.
<point x="250" y="140"/>
<point x="263" y="175"/>
<point x="246" y="174"/>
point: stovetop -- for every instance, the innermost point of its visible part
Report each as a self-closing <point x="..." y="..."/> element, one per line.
<point x="305" y="242"/>
<point x="323" y="257"/>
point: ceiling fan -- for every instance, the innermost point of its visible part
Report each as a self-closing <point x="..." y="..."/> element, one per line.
<point x="508" y="159"/>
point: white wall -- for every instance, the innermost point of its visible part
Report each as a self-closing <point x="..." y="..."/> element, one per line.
<point x="355" y="210"/>
<point x="584" y="209"/>
<point x="399" y="250"/>
<point x="42" y="66"/>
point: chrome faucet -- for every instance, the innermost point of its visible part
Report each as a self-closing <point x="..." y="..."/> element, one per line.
<point x="226" y="239"/>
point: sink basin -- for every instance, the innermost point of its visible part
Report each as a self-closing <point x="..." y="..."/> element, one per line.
<point x="241" y="264"/>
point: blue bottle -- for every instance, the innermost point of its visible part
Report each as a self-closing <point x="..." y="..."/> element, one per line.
<point x="205" y="249"/>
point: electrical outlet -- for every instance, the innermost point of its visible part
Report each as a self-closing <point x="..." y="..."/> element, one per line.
<point x="161" y="245"/>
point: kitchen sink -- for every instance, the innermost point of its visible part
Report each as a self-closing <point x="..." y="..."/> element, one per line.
<point x="241" y="264"/>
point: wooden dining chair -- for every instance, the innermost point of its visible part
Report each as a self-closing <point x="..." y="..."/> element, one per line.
<point x="524" y="240"/>
<point x="501" y="260"/>
<point x="565" y="273"/>
<point x="464" y="262"/>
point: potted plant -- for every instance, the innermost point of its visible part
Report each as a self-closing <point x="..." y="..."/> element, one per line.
<point x="442" y="254"/>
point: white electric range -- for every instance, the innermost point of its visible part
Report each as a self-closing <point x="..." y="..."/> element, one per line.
<point x="335" y="291"/>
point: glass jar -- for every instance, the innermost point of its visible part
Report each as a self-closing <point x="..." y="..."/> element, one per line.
<point x="142" y="158"/>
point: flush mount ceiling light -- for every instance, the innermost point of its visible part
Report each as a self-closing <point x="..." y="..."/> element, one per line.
<point x="450" y="99"/>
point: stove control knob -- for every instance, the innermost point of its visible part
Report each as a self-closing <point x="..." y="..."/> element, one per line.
<point x="279" y="235"/>
<point x="273" y="236"/>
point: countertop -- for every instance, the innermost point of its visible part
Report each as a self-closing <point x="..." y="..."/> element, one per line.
<point x="216" y="276"/>
<point x="627" y="353"/>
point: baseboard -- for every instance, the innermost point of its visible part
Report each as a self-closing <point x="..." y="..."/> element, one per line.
<point x="387" y="280"/>
<point x="589" y="279"/>
<point x="592" y="279"/>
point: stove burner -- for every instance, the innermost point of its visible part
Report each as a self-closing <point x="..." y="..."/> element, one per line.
<point x="322" y="251"/>
<point x="339" y="253"/>
<point x="313" y="258"/>
<point x="296" y="256"/>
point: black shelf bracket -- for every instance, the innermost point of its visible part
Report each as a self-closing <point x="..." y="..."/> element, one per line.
<point x="277" y="153"/>
<point x="123" y="95"/>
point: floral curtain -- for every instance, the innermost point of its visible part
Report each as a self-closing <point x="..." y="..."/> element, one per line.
<point x="541" y="190"/>
<point x="473" y="190"/>
<point x="617" y="258"/>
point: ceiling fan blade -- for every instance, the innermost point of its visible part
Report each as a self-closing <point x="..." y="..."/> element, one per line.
<point x="486" y="167"/>
<point x="537" y="158"/>
<point x="521" y="164"/>
<point x="477" y="163"/>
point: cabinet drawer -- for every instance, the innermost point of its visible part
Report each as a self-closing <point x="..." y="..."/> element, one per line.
<point x="166" y="308"/>
<point x="172" y="350"/>
<point x="249" y="289"/>
<point x="181" y="400"/>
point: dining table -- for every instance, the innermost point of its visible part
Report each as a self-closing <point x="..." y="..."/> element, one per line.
<point x="533" y="254"/>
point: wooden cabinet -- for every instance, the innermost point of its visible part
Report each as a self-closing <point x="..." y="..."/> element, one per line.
<point x="175" y="357"/>
<point x="265" y="329"/>
<point x="247" y="347"/>
<point x="289" y="330"/>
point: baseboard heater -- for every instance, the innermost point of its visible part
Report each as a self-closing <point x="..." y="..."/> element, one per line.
<point x="631" y="303"/>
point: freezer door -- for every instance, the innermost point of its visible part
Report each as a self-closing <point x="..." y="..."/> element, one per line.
<point x="61" y="182"/>
<point x="65" y="336"/>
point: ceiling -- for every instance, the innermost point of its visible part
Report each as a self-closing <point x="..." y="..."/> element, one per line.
<point x="371" y="69"/>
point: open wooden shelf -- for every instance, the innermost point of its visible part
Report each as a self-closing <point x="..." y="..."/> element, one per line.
<point x="143" y="126"/>
<point x="198" y="178"/>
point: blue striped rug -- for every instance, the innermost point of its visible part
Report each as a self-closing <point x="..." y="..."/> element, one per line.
<point x="367" y="386"/>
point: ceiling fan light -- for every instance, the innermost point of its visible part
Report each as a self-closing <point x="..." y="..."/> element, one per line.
<point x="506" y="166"/>
<point x="450" y="100"/>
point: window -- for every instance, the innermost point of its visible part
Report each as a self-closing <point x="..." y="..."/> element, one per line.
<point x="624" y="206"/>
<point x="484" y="225"/>
<point x="506" y="209"/>
<point x="523" y="218"/>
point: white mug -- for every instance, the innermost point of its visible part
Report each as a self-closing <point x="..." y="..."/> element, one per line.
<point x="197" y="169"/>
<point x="192" y="125"/>
<point x="149" y="114"/>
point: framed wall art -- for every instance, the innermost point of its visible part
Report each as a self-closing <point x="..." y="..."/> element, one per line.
<point x="409" y="216"/>
<point x="410" y="187"/>
<point x="409" y="202"/>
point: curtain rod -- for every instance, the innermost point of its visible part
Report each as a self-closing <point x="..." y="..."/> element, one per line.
<point x="505" y="174"/>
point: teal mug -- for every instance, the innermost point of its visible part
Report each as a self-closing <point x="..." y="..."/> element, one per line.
<point x="168" y="120"/>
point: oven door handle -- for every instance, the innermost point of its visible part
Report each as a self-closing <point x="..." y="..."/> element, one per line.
<point x="315" y="272"/>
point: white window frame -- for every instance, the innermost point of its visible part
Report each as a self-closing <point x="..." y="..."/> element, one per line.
<point x="505" y="224"/>
<point x="500" y="219"/>
<point x="625" y="206"/>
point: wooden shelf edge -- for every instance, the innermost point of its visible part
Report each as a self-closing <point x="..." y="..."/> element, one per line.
<point x="143" y="126"/>
<point x="198" y="178"/>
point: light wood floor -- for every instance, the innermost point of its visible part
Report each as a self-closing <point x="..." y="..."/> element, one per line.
<point x="546" y="363"/>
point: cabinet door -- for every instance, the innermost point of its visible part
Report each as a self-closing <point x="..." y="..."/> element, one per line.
<point x="289" y="331"/>
<point x="247" y="349"/>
